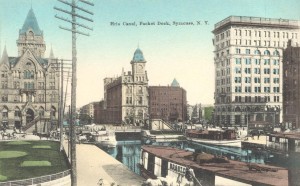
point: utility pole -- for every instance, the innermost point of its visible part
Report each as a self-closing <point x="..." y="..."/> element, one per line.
<point x="61" y="105"/>
<point x="74" y="31"/>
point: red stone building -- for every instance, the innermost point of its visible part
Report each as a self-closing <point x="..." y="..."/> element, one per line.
<point x="168" y="102"/>
<point x="291" y="88"/>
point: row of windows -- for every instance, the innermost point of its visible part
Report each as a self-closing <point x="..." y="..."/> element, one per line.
<point x="256" y="89"/>
<point x="224" y="81"/>
<point x="27" y="74"/>
<point x="248" y="51"/>
<point x="258" y="43"/>
<point x="248" y="61"/>
<point x="139" y="101"/>
<point x="259" y="33"/>
<point x="27" y="85"/>
<point x="256" y="80"/>
<point x="256" y="99"/>
<point x="238" y="70"/>
<point x="39" y="98"/>
<point x="139" y="90"/>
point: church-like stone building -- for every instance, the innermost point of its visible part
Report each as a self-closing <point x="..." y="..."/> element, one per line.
<point x="29" y="82"/>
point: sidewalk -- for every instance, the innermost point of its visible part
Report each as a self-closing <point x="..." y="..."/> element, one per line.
<point x="262" y="140"/>
<point x="94" y="164"/>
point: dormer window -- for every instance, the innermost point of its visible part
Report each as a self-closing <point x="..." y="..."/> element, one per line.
<point x="30" y="34"/>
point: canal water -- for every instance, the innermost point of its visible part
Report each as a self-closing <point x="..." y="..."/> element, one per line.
<point x="128" y="152"/>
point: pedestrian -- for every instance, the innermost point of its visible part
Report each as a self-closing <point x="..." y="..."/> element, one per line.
<point x="258" y="135"/>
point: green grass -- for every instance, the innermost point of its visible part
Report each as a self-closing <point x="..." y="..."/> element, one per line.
<point x="41" y="147"/>
<point x="11" y="167"/>
<point x="3" y="178"/>
<point x="35" y="164"/>
<point x="18" y="143"/>
<point x="11" y="154"/>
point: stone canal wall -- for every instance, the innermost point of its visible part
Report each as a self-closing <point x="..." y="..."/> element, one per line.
<point x="94" y="165"/>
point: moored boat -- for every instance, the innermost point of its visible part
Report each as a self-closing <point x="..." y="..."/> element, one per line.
<point x="223" y="137"/>
<point x="104" y="138"/>
<point x="180" y="167"/>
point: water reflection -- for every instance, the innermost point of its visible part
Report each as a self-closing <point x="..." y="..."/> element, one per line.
<point x="128" y="152"/>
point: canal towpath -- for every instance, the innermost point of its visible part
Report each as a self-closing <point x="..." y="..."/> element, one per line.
<point x="94" y="166"/>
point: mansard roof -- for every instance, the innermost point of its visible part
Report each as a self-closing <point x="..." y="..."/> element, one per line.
<point x="31" y="23"/>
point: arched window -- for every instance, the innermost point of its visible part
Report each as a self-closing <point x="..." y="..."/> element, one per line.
<point x="41" y="111"/>
<point x="140" y="113"/>
<point x="257" y="52"/>
<point x="53" y="111"/>
<point x="276" y="53"/>
<point x="267" y="52"/>
<point x="4" y="112"/>
<point x="17" y="112"/>
<point x="140" y="90"/>
<point x="237" y="109"/>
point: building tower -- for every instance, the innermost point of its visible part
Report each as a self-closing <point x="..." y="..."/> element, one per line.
<point x="31" y="37"/>
<point x="29" y="83"/>
<point x="126" y="97"/>
<point x="248" y="70"/>
<point x="291" y="91"/>
<point x="135" y="106"/>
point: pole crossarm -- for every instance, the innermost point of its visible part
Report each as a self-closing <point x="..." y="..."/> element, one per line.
<point x="73" y="14"/>
<point x="75" y="6"/>
<point x="87" y="2"/>
<point x="67" y="20"/>
<point x="74" y="31"/>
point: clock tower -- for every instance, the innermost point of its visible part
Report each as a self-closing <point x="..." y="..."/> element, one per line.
<point x="135" y="91"/>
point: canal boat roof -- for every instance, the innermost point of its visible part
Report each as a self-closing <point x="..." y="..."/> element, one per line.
<point x="234" y="170"/>
<point x="288" y="135"/>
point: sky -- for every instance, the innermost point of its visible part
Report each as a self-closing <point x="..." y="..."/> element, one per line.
<point x="183" y="52"/>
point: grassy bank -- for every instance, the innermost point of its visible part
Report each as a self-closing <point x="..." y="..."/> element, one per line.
<point x="27" y="159"/>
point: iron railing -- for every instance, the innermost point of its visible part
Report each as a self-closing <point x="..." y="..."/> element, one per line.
<point x="37" y="180"/>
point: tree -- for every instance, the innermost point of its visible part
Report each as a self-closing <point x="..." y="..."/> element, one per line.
<point x="208" y="113"/>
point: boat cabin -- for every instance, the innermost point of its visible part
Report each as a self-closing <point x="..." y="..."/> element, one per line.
<point x="227" y="134"/>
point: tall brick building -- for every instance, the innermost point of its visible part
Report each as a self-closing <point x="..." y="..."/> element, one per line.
<point x="291" y="88"/>
<point x="168" y="102"/>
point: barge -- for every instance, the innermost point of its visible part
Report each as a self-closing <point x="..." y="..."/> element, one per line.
<point x="182" y="167"/>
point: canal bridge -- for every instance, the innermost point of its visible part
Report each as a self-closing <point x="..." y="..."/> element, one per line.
<point x="126" y="132"/>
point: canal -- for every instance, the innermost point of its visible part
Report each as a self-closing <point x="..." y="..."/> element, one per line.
<point x="128" y="152"/>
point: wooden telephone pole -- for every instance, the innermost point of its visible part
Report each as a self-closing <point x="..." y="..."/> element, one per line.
<point x="74" y="23"/>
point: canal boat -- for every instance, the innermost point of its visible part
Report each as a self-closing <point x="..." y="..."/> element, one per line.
<point x="105" y="138"/>
<point x="180" y="167"/>
<point x="222" y="137"/>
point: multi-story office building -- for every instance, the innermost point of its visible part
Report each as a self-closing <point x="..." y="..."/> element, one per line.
<point x="291" y="88"/>
<point x="87" y="111"/>
<point x="126" y="97"/>
<point x="248" y="69"/>
<point x="168" y="102"/>
<point x="29" y="82"/>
